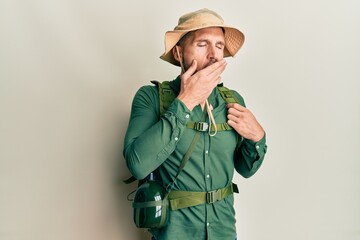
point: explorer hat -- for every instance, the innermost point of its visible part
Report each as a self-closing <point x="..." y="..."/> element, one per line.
<point x="202" y="18"/>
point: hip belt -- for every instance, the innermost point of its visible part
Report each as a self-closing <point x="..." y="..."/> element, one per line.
<point x="184" y="199"/>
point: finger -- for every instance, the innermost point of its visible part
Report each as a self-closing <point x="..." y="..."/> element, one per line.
<point x="236" y="106"/>
<point x="191" y="70"/>
<point x="231" y="123"/>
<point x="234" y="112"/>
<point x="216" y="69"/>
<point x="220" y="65"/>
<point x="232" y="118"/>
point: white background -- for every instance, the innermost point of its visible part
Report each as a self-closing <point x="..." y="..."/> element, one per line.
<point x="68" y="73"/>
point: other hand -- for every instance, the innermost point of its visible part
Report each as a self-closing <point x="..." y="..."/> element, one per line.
<point x="244" y="122"/>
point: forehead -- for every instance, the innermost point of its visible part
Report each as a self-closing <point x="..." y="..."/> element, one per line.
<point x="211" y="32"/>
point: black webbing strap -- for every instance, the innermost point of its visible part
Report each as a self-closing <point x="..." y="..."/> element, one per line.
<point x="130" y="180"/>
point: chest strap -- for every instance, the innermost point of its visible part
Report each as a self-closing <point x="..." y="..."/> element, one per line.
<point x="184" y="199"/>
<point x="204" y="126"/>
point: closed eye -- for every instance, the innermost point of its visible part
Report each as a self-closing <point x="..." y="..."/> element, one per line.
<point x="220" y="45"/>
<point x="202" y="44"/>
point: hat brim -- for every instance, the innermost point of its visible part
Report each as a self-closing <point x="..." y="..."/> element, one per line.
<point x="234" y="39"/>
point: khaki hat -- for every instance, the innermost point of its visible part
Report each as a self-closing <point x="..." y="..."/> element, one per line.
<point x="202" y="18"/>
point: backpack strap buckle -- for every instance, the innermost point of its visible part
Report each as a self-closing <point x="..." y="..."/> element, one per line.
<point x="213" y="196"/>
<point x="202" y="126"/>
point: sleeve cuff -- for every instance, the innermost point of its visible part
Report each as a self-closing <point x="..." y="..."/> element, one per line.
<point x="179" y="109"/>
<point x="260" y="146"/>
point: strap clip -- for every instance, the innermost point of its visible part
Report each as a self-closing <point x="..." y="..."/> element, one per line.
<point x="201" y="126"/>
<point x="213" y="196"/>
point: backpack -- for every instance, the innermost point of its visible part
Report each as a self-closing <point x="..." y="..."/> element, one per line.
<point x="146" y="206"/>
<point x="166" y="97"/>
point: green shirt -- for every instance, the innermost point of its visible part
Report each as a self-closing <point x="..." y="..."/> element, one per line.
<point x="154" y="142"/>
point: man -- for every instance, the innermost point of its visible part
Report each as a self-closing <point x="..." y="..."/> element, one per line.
<point x="198" y="45"/>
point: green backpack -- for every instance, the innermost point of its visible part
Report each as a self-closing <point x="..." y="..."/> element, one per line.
<point x="167" y="96"/>
<point x="151" y="196"/>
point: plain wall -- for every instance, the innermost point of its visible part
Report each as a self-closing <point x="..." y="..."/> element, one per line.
<point x="69" y="70"/>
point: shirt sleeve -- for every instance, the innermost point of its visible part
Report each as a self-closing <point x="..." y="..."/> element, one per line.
<point x="150" y="139"/>
<point x="249" y="155"/>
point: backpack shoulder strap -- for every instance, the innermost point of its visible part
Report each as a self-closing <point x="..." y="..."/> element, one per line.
<point x="166" y="95"/>
<point x="229" y="97"/>
<point x="227" y="94"/>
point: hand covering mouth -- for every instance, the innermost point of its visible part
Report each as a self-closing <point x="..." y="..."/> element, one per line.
<point x="212" y="61"/>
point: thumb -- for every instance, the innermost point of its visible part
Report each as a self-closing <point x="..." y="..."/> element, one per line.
<point x="191" y="70"/>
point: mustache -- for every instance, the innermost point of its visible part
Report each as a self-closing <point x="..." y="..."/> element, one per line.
<point x="212" y="61"/>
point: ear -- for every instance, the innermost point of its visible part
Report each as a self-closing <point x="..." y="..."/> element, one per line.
<point x="176" y="53"/>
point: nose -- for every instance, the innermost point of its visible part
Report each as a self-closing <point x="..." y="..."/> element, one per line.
<point x="213" y="52"/>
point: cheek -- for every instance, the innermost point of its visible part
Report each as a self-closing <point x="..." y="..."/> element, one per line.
<point x="201" y="58"/>
<point x="199" y="55"/>
<point x="200" y="63"/>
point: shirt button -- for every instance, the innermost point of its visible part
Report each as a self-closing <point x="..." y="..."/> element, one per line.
<point x="206" y="151"/>
<point x="257" y="147"/>
<point x="187" y="115"/>
<point x="207" y="224"/>
<point x="208" y="176"/>
<point x="176" y="138"/>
